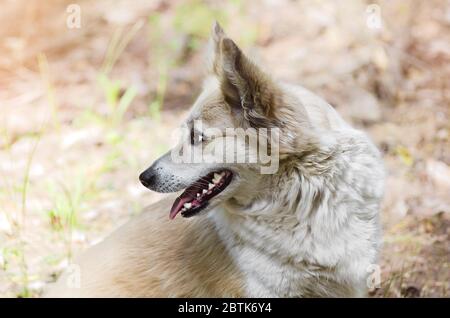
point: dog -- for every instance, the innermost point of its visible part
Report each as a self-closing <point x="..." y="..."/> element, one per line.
<point x="309" y="228"/>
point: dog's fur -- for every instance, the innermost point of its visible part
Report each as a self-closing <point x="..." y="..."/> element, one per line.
<point x="310" y="229"/>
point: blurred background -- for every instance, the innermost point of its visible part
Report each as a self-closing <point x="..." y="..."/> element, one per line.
<point x="90" y="91"/>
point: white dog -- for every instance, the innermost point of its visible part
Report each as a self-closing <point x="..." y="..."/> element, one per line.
<point x="310" y="228"/>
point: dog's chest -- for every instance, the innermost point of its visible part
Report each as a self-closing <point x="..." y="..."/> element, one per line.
<point x="266" y="277"/>
<point x="271" y="261"/>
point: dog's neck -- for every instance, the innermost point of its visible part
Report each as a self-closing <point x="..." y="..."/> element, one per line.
<point x="272" y="209"/>
<point x="272" y="235"/>
<point x="259" y="235"/>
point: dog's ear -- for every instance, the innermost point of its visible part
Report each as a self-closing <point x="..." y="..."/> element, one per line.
<point x="213" y="54"/>
<point x="245" y="87"/>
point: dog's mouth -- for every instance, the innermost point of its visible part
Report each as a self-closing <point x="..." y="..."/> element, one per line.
<point x="197" y="196"/>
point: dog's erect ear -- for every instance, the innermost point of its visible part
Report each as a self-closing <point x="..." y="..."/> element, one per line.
<point x="217" y="34"/>
<point x="245" y="87"/>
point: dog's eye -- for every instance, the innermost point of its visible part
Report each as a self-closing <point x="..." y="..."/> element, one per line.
<point x="196" y="137"/>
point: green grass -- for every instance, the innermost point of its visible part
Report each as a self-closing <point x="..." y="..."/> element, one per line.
<point x="118" y="102"/>
<point x="117" y="98"/>
<point x="44" y="71"/>
<point x="160" y="55"/>
<point x="117" y="45"/>
<point x="21" y="228"/>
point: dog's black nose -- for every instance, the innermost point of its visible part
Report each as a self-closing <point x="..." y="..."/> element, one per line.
<point x="147" y="177"/>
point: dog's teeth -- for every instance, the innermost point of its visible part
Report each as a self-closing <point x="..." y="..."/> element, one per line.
<point x="216" y="178"/>
<point x="204" y="191"/>
<point x="198" y="194"/>
<point x="210" y="186"/>
<point x="187" y="205"/>
<point x="183" y="209"/>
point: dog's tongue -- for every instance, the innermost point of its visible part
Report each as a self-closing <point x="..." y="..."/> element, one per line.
<point x="178" y="204"/>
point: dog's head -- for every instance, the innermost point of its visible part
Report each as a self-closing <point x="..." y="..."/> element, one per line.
<point x="234" y="129"/>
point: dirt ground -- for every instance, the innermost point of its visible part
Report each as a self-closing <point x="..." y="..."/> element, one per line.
<point x="84" y="110"/>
